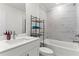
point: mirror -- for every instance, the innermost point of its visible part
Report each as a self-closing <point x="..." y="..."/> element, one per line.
<point x="12" y="17"/>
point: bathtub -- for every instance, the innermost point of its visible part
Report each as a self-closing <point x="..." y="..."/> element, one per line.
<point x="62" y="48"/>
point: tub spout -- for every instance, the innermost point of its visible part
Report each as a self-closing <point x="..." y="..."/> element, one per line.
<point x="76" y="41"/>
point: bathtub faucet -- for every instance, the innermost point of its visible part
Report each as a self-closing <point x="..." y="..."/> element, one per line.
<point x="77" y="35"/>
<point x="75" y="41"/>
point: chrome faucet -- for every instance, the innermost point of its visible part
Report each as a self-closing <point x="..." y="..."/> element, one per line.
<point x="76" y="41"/>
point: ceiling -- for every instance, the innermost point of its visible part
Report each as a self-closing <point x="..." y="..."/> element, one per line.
<point x="48" y="6"/>
<point x="20" y="6"/>
<point x="45" y="6"/>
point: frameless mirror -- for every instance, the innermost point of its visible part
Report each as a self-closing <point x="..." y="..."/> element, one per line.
<point x="12" y="17"/>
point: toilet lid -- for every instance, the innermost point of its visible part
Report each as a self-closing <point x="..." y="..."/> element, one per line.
<point x="46" y="50"/>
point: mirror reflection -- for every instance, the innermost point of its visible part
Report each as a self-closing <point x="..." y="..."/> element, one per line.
<point x="12" y="18"/>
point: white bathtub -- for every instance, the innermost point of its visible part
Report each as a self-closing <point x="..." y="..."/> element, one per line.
<point x="62" y="48"/>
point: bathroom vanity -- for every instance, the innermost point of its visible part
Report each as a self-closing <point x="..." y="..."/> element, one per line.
<point x="21" y="46"/>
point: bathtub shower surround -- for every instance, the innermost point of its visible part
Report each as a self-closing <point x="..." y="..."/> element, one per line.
<point x="63" y="21"/>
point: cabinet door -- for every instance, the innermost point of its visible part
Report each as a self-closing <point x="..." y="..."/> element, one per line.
<point x="34" y="52"/>
<point x="31" y="49"/>
<point x="21" y="53"/>
<point x="18" y="51"/>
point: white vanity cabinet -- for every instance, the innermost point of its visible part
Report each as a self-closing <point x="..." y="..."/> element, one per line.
<point x="33" y="52"/>
<point x="28" y="49"/>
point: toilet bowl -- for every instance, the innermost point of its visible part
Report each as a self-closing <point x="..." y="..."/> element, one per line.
<point x="44" y="51"/>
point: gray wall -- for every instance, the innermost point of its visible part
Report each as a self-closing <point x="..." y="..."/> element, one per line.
<point x="62" y="22"/>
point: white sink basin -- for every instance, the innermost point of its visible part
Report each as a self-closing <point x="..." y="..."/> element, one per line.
<point x="15" y="41"/>
<point x="18" y="40"/>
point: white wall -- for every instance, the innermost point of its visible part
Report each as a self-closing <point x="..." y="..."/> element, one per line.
<point x="77" y="14"/>
<point x="43" y="15"/>
<point x="77" y="17"/>
<point x="31" y="9"/>
<point x="2" y="19"/>
<point x="35" y="10"/>
<point x="62" y="22"/>
<point x="10" y="19"/>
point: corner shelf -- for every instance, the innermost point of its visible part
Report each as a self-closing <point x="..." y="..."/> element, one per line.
<point x="36" y="26"/>
<point x="36" y="34"/>
<point x="37" y="21"/>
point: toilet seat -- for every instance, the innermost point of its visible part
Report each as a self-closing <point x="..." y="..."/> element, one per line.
<point x="46" y="51"/>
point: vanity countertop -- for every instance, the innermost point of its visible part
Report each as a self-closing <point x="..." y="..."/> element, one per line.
<point x="9" y="44"/>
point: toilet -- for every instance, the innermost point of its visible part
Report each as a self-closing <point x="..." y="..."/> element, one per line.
<point x="44" y="51"/>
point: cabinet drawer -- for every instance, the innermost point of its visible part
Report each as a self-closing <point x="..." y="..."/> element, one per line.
<point x="34" y="51"/>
